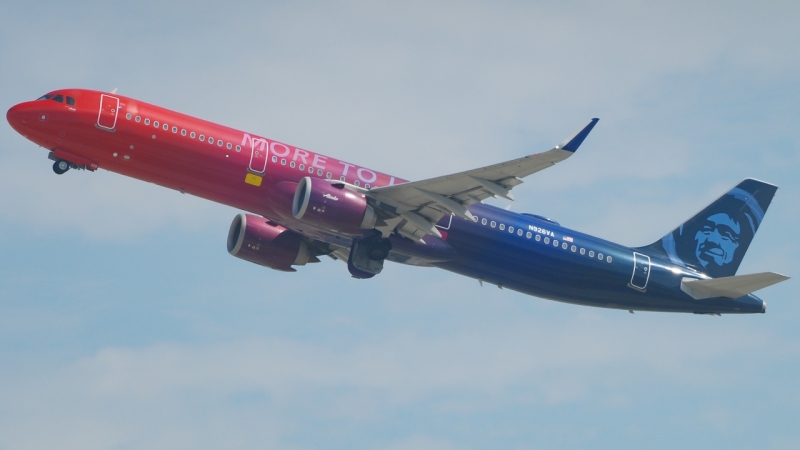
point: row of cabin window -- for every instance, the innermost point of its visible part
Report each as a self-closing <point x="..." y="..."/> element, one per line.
<point x="192" y="134"/>
<point x="238" y="148"/>
<point x="302" y="168"/>
<point x="538" y="238"/>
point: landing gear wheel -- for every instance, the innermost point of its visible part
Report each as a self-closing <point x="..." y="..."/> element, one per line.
<point x="60" y="166"/>
<point x="367" y="256"/>
<point x="379" y="249"/>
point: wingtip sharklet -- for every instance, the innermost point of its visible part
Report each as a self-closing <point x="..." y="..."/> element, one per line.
<point x="576" y="140"/>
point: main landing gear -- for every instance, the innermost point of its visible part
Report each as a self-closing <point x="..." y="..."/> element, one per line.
<point x="367" y="256"/>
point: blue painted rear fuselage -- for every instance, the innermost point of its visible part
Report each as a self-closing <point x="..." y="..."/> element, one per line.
<point x="541" y="258"/>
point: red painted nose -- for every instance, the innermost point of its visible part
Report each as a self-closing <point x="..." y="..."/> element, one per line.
<point x="14" y="116"/>
<point x="23" y="116"/>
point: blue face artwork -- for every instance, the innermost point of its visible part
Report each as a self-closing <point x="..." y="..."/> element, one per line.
<point x="715" y="240"/>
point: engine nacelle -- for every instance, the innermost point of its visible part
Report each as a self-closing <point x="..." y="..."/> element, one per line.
<point x="253" y="239"/>
<point x="331" y="206"/>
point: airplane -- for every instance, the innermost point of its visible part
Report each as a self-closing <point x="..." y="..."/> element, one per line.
<point x="301" y="205"/>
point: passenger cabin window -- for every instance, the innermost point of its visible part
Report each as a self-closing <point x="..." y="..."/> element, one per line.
<point x="59" y="98"/>
<point x="71" y="101"/>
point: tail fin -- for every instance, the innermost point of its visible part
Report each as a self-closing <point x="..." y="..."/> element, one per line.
<point x="715" y="240"/>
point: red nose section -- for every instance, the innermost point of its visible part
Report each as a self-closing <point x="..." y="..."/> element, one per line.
<point x="25" y="117"/>
<point x="14" y="116"/>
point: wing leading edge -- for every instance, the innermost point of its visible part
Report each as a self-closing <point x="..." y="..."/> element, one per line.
<point x="412" y="209"/>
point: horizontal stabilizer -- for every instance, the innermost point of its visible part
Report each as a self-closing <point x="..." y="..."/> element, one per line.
<point x="731" y="287"/>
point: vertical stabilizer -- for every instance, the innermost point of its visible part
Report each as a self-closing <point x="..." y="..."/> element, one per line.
<point x="715" y="240"/>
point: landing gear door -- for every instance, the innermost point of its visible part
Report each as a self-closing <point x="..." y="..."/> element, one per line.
<point x="641" y="271"/>
<point x="109" y="108"/>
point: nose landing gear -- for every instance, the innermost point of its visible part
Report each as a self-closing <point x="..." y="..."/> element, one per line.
<point x="60" y="167"/>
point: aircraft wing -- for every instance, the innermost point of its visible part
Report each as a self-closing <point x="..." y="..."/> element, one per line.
<point x="412" y="209"/>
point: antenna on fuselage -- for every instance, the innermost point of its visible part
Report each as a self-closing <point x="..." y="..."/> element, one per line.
<point x="114" y="91"/>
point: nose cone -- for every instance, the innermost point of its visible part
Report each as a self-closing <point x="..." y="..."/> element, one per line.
<point x="25" y="117"/>
<point x="21" y="117"/>
<point x="14" y="116"/>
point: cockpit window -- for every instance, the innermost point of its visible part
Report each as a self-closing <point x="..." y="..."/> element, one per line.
<point x="59" y="98"/>
<point x="70" y="101"/>
<point x="45" y="97"/>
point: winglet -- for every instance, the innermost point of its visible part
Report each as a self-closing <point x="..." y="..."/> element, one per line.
<point x="576" y="140"/>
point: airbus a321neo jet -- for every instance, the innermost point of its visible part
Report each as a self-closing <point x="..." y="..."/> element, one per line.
<point x="303" y="205"/>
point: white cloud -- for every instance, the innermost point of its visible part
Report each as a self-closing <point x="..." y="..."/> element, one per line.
<point x="172" y="390"/>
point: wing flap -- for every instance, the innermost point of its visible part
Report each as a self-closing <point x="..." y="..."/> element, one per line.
<point x="731" y="287"/>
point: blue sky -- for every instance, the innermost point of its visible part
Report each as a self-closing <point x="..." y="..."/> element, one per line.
<point x="124" y="323"/>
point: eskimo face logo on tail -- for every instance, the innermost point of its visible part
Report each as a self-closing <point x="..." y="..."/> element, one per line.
<point x="719" y="235"/>
<point x="717" y="240"/>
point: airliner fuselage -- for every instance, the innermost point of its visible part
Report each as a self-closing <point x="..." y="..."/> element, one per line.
<point x="303" y="204"/>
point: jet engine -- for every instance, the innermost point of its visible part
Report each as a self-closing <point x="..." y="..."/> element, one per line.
<point x="331" y="206"/>
<point x="254" y="239"/>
